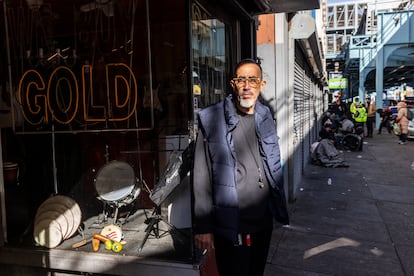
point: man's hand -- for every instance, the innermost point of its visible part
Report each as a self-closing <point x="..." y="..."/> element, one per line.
<point x="204" y="241"/>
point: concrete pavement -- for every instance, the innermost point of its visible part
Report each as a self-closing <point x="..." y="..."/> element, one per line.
<point x="361" y="224"/>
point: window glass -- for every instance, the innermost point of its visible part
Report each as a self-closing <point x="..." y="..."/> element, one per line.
<point x="210" y="56"/>
<point x="340" y="16"/>
<point x="351" y="16"/>
<point x="330" y="17"/>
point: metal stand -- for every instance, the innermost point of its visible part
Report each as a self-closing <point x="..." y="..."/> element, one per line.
<point x="103" y="218"/>
<point x="154" y="229"/>
<point x="176" y="170"/>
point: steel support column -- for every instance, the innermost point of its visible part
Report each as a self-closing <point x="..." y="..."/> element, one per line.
<point x="379" y="81"/>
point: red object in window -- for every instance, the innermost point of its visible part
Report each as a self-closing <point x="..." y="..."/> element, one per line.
<point x="248" y="240"/>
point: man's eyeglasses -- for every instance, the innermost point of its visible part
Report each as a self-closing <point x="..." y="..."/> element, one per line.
<point x="253" y="82"/>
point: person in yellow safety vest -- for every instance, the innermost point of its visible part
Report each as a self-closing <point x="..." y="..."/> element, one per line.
<point x="360" y="117"/>
<point x="353" y="106"/>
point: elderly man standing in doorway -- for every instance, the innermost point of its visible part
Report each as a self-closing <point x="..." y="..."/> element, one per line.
<point x="238" y="182"/>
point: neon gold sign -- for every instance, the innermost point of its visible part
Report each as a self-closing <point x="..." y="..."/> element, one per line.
<point x="62" y="97"/>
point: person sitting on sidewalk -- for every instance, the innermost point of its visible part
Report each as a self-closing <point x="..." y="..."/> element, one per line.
<point x="327" y="118"/>
<point x="330" y="131"/>
<point x="349" y="137"/>
<point x="347" y="126"/>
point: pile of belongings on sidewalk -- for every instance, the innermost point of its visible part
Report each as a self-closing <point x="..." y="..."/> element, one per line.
<point x="324" y="152"/>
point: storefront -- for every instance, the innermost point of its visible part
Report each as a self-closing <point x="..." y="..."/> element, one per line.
<point x="98" y="100"/>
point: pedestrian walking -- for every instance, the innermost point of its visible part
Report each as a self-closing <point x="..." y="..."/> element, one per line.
<point x="385" y="116"/>
<point x="402" y="121"/>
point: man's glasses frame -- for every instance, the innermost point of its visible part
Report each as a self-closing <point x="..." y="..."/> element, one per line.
<point x="253" y="81"/>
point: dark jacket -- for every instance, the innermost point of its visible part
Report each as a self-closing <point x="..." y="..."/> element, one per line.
<point x="217" y="122"/>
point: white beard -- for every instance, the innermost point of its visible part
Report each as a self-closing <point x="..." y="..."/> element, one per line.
<point x="246" y="103"/>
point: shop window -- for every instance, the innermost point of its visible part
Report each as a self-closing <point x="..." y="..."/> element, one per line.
<point x="91" y="83"/>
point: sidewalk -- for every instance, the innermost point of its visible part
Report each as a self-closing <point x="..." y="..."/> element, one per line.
<point x="361" y="224"/>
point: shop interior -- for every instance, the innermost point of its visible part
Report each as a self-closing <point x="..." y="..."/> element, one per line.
<point x="95" y="114"/>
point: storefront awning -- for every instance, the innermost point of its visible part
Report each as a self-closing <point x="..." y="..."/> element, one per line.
<point x="278" y="6"/>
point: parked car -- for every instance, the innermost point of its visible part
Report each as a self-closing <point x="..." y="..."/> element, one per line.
<point x="388" y="103"/>
<point x="411" y="124"/>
